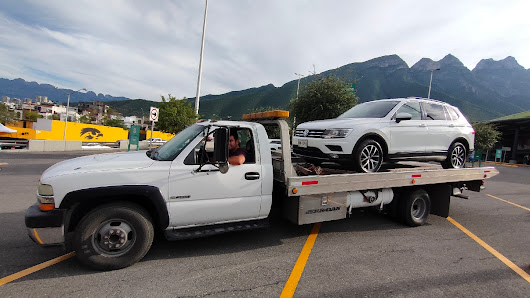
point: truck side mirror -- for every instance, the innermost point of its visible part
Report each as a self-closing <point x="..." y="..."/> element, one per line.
<point x="403" y="116"/>
<point x="220" y="154"/>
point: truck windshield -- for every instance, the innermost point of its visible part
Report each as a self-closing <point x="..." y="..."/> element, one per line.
<point x="373" y="109"/>
<point x="174" y="146"/>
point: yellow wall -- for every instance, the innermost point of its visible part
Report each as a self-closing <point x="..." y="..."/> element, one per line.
<point x="79" y="132"/>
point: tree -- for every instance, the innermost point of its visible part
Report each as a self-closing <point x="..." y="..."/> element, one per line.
<point x="486" y="135"/>
<point x="6" y="116"/>
<point x="324" y="98"/>
<point x="113" y="123"/>
<point x="31" y="115"/>
<point x="175" y="115"/>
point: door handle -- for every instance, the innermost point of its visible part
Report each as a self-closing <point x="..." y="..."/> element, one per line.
<point x="423" y="125"/>
<point x="252" y="175"/>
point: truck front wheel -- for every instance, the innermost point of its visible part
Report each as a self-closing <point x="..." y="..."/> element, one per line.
<point x="113" y="236"/>
<point x="415" y="207"/>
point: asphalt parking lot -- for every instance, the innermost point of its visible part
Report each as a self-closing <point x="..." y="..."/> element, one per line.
<point x="367" y="255"/>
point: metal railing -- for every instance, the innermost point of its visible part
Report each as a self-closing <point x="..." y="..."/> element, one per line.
<point x="14" y="144"/>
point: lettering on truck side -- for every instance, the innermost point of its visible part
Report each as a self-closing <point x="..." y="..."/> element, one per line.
<point x="312" y="211"/>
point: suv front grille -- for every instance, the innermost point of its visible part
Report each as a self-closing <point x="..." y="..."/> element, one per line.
<point x="311" y="133"/>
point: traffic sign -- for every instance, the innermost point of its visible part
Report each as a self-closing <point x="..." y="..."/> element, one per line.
<point x="153" y="114"/>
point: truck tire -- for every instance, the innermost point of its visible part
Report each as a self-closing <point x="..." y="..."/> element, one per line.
<point x="415" y="207"/>
<point x="113" y="236"/>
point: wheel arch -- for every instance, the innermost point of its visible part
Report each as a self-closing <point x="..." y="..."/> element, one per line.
<point x="461" y="140"/>
<point x="80" y="202"/>
<point x="376" y="137"/>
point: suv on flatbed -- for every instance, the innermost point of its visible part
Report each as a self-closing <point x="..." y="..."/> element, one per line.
<point x="389" y="129"/>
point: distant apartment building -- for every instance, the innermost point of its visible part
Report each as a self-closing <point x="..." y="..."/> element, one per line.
<point x="6" y="99"/>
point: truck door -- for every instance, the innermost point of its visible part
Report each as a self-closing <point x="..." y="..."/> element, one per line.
<point x="209" y="196"/>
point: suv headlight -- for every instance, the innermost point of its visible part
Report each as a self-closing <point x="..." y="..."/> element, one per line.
<point x="336" y="133"/>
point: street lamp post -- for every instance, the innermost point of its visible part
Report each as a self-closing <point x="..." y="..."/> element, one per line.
<point x="200" y="61"/>
<point x="67" y="107"/>
<point x="298" y="88"/>
<point x="430" y="82"/>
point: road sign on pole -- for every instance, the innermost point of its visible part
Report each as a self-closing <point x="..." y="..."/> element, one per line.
<point x="153" y="114"/>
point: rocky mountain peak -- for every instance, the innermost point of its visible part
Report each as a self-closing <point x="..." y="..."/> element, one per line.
<point x="451" y="61"/>
<point x="425" y="64"/>
<point x="506" y="63"/>
<point x="387" y="61"/>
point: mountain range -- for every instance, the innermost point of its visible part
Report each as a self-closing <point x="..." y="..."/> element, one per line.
<point x="492" y="89"/>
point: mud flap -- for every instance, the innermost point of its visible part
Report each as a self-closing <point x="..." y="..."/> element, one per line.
<point x="440" y="195"/>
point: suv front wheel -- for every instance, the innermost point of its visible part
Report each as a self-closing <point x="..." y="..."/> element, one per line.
<point x="368" y="157"/>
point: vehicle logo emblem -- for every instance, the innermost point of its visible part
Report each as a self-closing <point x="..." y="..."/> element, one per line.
<point x="306" y="132"/>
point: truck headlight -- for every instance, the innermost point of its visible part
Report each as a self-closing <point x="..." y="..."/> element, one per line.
<point x="336" y="133"/>
<point x="45" y="197"/>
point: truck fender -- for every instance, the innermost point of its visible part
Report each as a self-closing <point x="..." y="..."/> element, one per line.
<point x="146" y="196"/>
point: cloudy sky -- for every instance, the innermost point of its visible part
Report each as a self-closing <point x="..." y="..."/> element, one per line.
<point x="144" y="49"/>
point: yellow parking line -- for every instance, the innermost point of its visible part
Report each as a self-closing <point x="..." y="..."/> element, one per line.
<point x="292" y="282"/>
<point x="34" y="269"/>
<point x="3" y="163"/>
<point x="499" y="256"/>
<point x="508" y="202"/>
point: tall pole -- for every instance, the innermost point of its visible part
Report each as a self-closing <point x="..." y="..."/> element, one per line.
<point x="200" y="60"/>
<point x="430" y="82"/>
<point x="66" y="118"/>
<point x="298" y="88"/>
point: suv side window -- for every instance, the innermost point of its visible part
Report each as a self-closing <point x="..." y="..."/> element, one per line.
<point x="412" y="108"/>
<point x="452" y="113"/>
<point x="433" y="111"/>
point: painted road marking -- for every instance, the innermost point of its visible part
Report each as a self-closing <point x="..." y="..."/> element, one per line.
<point x="508" y="202"/>
<point x="3" y="163"/>
<point x="292" y="282"/>
<point x="499" y="256"/>
<point x="34" y="269"/>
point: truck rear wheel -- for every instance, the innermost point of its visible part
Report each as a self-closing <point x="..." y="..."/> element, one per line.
<point x="113" y="236"/>
<point x="415" y="207"/>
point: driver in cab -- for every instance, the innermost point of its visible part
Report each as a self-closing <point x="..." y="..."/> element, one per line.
<point x="237" y="155"/>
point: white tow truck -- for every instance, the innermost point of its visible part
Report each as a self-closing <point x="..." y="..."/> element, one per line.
<point x="107" y="207"/>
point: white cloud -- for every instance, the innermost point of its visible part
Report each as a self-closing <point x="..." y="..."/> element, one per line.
<point x="144" y="49"/>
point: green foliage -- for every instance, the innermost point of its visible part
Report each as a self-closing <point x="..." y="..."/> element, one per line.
<point x="175" y="115"/>
<point x="31" y="116"/>
<point x="486" y="135"/>
<point x="85" y="119"/>
<point x="324" y="98"/>
<point x="113" y="123"/>
<point x="136" y="107"/>
<point x="6" y="116"/>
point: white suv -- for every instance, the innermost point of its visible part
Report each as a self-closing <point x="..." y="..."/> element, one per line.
<point x="386" y="130"/>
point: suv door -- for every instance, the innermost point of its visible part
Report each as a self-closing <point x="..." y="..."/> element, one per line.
<point x="438" y="124"/>
<point x="208" y="196"/>
<point x="407" y="136"/>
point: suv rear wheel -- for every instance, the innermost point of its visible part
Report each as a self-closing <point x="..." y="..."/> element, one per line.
<point x="456" y="156"/>
<point x="368" y="157"/>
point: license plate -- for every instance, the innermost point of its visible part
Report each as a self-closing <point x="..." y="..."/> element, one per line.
<point x="302" y="143"/>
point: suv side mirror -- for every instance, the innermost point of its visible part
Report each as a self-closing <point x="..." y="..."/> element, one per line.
<point x="220" y="154"/>
<point x="403" y="116"/>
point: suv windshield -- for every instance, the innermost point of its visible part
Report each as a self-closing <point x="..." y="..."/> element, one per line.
<point x="174" y="146"/>
<point x="373" y="109"/>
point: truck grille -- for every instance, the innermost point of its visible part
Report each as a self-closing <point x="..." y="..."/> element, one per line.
<point x="311" y="133"/>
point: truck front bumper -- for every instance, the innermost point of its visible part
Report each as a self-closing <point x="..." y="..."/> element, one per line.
<point x="45" y="227"/>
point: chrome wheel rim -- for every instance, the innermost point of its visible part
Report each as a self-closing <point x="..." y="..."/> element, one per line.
<point x="114" y="238"/>
<point x="370" y="158"/>
<point x="458" y="156"/>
